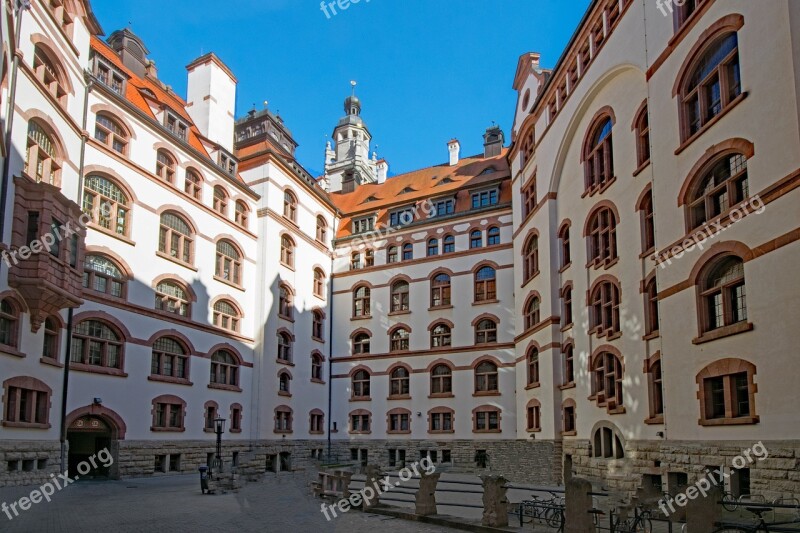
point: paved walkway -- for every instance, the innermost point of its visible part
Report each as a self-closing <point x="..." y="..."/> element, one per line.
<point x="174" y="504"/>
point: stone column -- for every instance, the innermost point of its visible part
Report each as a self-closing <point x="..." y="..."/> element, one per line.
<point x="495" y="503"/>
<point x="578" y="502"/>
<point x="426" y="495"/>
<point x="374" y="475"/>
<point x="345" y="478"/>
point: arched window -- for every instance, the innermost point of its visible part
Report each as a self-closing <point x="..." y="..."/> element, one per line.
<point x="607" y="380"/>
<point x="224" y="369"/>
<point x="360" y="422"/>
<point x="433" y="247"/>
<point x="651" y="307"/>
<point x="49" y="74"/>
<point x="642" y="129"/>
<point x="485" y="285"/>
<point x="165" y="166"/>
<point x="284" y="381"/>
<point x="95" y="343"/>
<point x="722" y="185"/>
<point x="713" y="83"/>
<point x="172" y="298"/>
<point x="530" y="258"/>
<point x="229" y="262"/>
<point x="103" y="275"/>
<point x="486" y="377"/>
<point x="532" y="312"/>
<point x="441" y="336"/>
<point x="399" y="421"/>
<point x="399" y="382"/>
<point x="106" y="203"/>
<point x="176" y="238"/>
<point x="493" y="236"/>
<point x="607" y="444"/>
<point x="110" y="132"/>
<point x="241" y="215"/>
<point x="440" y="290"/>
<point x="408" y="251"/>
<point x="361" y="344"/>
<point x="226" y="316"/>
<point x="283" y="419"/>
<point x="605" y="300"/>
<point x="361" y="302"/>
<point x="169" y="359"/>
<point x="284" y="347"/>
<point x="9" y="323"/>
<point x="360" y="385"/>
<point x="722" y="294"/>
<point x="322" y="230"/>
<point x="42" y="161"/>
<point x="534" y="416"/>
<point x="602" y="236"/>
<point x="285" y="302"/>
<point x="568" y="357"/>
<point x="656" y="390"/>
<point x="533" y="366"/>
<point x="399" y="340"/>
<point x="441" y="380"/>
<point x="220" y="200"/>
<point x="287" y="251"/>
<point x="648" y="222"/>
<point x="317" y="325"/>
<point x="316" y="367"/>
<point x="400" y="297"/>
<point x="727" y="393"/>
<point x="486" y="331"/>
<point x="476" y="239"/>
<point x="319" y="283"/>
<point x="564" y="245"/>
<point x="290" y="206"/>
<point x="566" y="304"/>
<point x="391" y="254"/>
<point x="448" y="244"/>
<point x="598" y="156"/>
<point x="193" y="184"/>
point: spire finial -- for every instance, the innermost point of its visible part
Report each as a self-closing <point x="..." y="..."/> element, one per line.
<point x="353" y="84"/>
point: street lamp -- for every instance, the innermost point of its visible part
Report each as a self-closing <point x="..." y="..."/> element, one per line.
<point x="219" y="424"/>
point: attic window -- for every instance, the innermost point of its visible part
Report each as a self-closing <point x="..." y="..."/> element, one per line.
<point x="489" y="170"/>
<point x="407" y="190"/>
<point x="444" y="181"/>
<point x="176" y="126"/>
<point x="371" y="198"/>
<point x="148" y="93"/>
<point x="108" y="76"/>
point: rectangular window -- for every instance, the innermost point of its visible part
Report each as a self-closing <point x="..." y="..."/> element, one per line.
<point x="33" y="227"/>
<point x="363" y="225"/>
<point x="55" y="231"/>
<point x="484" y="198"/>
<point x="403" y="217"/>
<point x="443" y="207"/>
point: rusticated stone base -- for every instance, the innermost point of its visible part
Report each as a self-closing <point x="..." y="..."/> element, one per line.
<point x="28" y="462"/>
<point x="777" y="476"/>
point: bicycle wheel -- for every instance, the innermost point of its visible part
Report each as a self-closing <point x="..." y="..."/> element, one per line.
<point x="643" y="525"/>
<point x="729" y="503"/>
<point x="555" y="519"/>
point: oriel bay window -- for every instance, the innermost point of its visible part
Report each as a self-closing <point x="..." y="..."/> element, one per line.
<point x="95" y="343"/>
<point x="170" y="359"/>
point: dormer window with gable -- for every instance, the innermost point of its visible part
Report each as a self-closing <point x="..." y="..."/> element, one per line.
<point x="363" y="225"/>
<point x="108" y="75"/>
<point x="401" y="217"/>
<point x="485" y="198"/>
<point x="176" y="126"/>
<point x="227" y="163"/>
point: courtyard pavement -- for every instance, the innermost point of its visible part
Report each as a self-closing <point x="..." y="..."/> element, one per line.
<point x="175" y="504"/>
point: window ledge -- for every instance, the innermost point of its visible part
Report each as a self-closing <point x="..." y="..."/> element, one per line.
<point x="486" y="302"/>
<point x="401" y="312"/>
<point x="80" y="367"/>
<point x="708" y="125"/>
<point x="169" y="379"/>
<point x="745" y="420"/>
<point x="363" y="317"/>
<point x="655" y="420"/>
<point x="220" y="386"/>
<point x="10" y="350"/>
<point x="565" y="267"/>
<point x="441" y="395"/>
<point x="725" y="331"/>
<point x="641" y="168"/>
<point x="400" y="397"/>
<point x="404" y="432"/>
<point x="650" y="336"/>
<point x="319" y="381"/>
<point x="286" y="318"/>
<point x="26" y="425"/>
<point x="498" y="430"/>
<point x="209" y="430"/>
<point x="566" y="386"/>
<point x="569" y="433"/>
<point x="318" y="339"/>
<point x="316" y="432"/>
<point x="440" y="307"/>
<point x="648" y="254"/>
<point x="440" y="431"/>
<point x="360" y="432"/>
<point x="285" y="394"/>
<point x="284" y="362"/>
<point x="113" y="235"/>
<point x="283" y="431"/>
<point x="616" y="410"/>
<point x="229" y="283"/>
<point x="167" y="430"/>
<point x="533" y="430"/>
<point x="287" y="265"/>
<point x="566" y="327"/>
<point x="51" y="362"/>
<point x="361" y="399"/>
<point x="171" y="259"/>
<point x="533" y="386"/>
<point x="235" y="430"/>
<point x="486" y="393"/>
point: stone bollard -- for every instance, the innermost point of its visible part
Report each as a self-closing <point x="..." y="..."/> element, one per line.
<point x="426" y="495"/>
<point x="374" y="475"/>
<point x="703" y="512"/>
<point x="578" y="502"/>
<point x="345" y="478"/>
<point x="495" y="503"/>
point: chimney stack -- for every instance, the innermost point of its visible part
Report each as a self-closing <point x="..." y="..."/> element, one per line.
<point x="211" y="99"/>
<point x="493" y="141"/>
<point x="382" y="170"/>
<point x="454" y="147"/>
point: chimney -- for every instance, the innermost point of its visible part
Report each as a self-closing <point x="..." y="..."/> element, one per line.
<point x="131" y="50"/>
<point x="493" y="141"/>
<point x="151" y="70"/>
<point x="383" y="170"/>
<point x="454" y="147"/>
<point x="211" y="99"/>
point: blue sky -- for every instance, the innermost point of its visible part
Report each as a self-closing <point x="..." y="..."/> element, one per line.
<point x="427" y="70"/>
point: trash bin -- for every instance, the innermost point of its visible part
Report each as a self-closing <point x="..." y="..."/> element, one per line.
<point x="203" y="478"/>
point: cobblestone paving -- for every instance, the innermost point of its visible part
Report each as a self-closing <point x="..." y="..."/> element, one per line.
<point x="174" y="504"/>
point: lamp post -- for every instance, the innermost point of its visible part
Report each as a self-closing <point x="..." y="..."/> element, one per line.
<point x="219" y="424"/>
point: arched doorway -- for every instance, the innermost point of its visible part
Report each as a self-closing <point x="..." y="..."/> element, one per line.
<point x="90" y="430"/>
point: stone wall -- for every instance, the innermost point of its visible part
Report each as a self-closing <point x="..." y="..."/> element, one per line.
<point x="28" y="462"/>
<point x="777" y="476"/>
<point x="520" y="461"/>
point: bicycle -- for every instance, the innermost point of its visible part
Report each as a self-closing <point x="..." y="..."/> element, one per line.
<point x="731" y="502"/>
<point x="760" y="526"/>
<point x="640" y="523"/>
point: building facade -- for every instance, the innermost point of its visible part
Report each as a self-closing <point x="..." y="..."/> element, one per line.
<point x="598" y="295"/>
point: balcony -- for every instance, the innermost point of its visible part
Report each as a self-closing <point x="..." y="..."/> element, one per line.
<point x="47" y="248"/>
